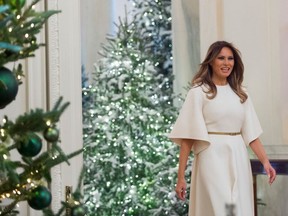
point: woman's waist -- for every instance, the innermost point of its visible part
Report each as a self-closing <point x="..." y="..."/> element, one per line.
<point x="225" y="133"/>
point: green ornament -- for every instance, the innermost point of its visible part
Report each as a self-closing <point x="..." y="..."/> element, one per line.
<point x="8" y="87"/>
<point x="78" y="211"/>
<point x="31" y="146"/>
<point x="51" y="134"/>
<point x="40" y="198"/>
<point x="16" y="4"/>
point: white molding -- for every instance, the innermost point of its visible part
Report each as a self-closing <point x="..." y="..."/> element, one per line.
<point x="64" y="57"/>
<point x="53" y="90"/>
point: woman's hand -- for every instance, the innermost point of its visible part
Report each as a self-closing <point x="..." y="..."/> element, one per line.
<point x="258" y="149"/>
<point x="181" y="189"/>
<point x="270" y="171"/>
<point x="185" y="150"/>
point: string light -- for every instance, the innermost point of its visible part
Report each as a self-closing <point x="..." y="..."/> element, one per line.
<point x="76" y="202"/>
<point x="2" y="132"/>
<point x="48" y="123"/>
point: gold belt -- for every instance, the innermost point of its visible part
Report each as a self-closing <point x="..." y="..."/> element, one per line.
<point x="225" y="133"/>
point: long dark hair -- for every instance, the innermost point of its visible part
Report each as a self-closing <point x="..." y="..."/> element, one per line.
<point x="235" y="79"/>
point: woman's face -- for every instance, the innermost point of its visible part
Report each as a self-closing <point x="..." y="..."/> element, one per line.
<point x="222" y="65"/>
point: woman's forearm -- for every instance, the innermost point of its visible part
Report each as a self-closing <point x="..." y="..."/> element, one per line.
<point x="259" y="151"/>
<point x="185" y="150"/>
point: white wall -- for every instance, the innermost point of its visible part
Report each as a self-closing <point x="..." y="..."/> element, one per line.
<point x="283" y="35"/>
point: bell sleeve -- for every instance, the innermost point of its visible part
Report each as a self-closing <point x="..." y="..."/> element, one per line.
<point x="190" y="122"/>
<point x="251" y="128"/>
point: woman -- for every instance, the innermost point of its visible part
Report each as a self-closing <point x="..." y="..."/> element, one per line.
<point x="217" y="121"/>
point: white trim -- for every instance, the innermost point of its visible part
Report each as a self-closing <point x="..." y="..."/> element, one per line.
<point x="65" y="80"/>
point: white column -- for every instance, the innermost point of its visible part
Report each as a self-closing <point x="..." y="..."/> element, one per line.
<point x="186" y="42"/>
<point x="64" y="67"/>
<point x="211" y="23"/>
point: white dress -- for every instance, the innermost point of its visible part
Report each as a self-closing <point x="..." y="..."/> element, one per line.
<point x="221" y="172"/>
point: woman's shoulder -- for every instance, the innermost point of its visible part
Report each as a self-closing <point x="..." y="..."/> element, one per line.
<point x="197" y="90"/>
<point x="200" y="87"/>
<point x="246" y="90"/>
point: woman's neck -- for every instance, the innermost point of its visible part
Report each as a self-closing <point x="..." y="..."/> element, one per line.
<point x="219" y="82"/>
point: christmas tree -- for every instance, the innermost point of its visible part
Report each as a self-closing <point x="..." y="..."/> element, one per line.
<point x="154" y="17"/>
<point x="27" y="179"/>
<point x="130" y="165"/>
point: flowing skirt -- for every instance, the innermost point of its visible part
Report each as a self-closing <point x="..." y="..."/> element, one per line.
<point x="221" y="174"/>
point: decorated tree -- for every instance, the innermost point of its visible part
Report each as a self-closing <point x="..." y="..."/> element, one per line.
<point x="27" y="179"/>
<point x="130" y="165"/>
<point x="154" y="18"/>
